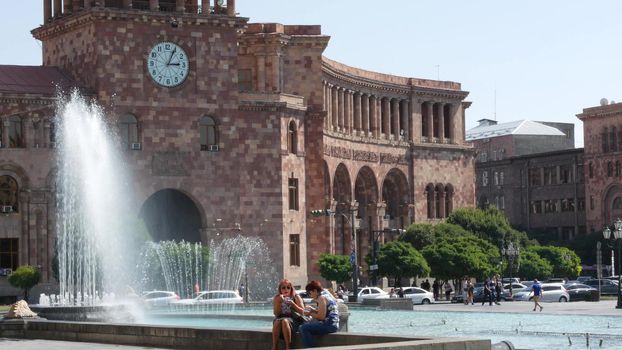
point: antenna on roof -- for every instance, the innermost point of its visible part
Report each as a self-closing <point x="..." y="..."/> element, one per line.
<point x="495" y="112"/>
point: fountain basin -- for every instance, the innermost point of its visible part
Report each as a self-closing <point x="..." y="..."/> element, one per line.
<point x="213" y="338"/>
<point x="93" y="313"/>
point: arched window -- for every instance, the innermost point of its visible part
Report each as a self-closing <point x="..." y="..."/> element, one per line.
<point x="609" y="169"/>
<point x="291" y="138"/>
<point x="449" y="205"/>
<point x="128" y="130"/>
<point x="613" y="145"/>
<point x="8" y="194"/>
<point x="429" y="190"/>
<point x="16" y="138"/>
<point x="438" y="205"/>
<point x="618" y="168"/>
<point x="208" y="134"/>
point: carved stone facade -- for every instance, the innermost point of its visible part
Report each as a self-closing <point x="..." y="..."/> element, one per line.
<point x="295" y="130"/>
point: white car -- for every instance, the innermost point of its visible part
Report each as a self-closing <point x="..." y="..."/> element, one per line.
<point x="418" y="295"/>
<point x="516" y="287"/>
<point x="159" y="298"/>
<point x="213" y="297"/>
<point x="372" y="293"/>
<point x="552" y="292"/>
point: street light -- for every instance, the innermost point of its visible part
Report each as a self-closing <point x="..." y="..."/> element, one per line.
<point x="351" y="220"/>
<point x="510" y="253"/>
<point x="612" y="241"/>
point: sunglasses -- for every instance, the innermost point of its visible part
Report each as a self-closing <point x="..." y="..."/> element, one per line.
<point x="286" y="287"/>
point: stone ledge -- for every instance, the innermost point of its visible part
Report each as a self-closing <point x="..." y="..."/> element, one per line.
<point x="390" y="304"/>
<point x="216" y="339"/>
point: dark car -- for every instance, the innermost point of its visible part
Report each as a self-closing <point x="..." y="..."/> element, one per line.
<point x="580" y="291"/>
<point x="478" y="295"/>
<point x="606" y="286"/>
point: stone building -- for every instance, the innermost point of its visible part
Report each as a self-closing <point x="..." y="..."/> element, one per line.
<point x="252" y="129"/>
<point x="602" y="128"/>
<point x="532" y="172"/>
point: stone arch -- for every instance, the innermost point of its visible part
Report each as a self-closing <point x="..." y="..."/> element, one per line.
<point x="365" y="191"/>
<point x="17" y="172"/>
<point x="395" y="195"/>
<point x="342" y="196"/>
<point x="342" y="185"/>
<point x="172" y="214"/>
<point x="613" y="195"/>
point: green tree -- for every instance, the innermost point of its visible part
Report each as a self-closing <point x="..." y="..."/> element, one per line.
<point x="399" y="259"/>
<point x="533" y="266"/>
<point x="565" y="262"/>
<point x="490" y="224"/>
<point x="25" y="277"/>
<point x="335" y="267"/>
<point x="419" y="235"/>
<point x="462" y="253"/>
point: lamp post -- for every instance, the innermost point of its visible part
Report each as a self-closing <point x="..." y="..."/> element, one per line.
<point x="353" y="259"/>
<point x="510" y="253"/>
<point x="615" y="241"/>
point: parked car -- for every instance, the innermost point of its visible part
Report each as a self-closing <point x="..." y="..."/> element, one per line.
<point x="579" y="291"/>
<point x="555" y="280"/>
<point x="516" y="287"/>
<point x="159" y="298"/>
<point x="306" y="298"/>
<point x="551" y="292"/>
<point x="372" y="293"/>
<point x="507" y="280"/>
<point x="584" y="278"/>
<point x="604" y="285"/>
<point x="478" y="295"/>
<point x="418" y="295"/>
<point x="213" y="297"/>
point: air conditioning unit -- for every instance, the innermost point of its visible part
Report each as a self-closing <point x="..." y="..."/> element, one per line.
<point x="136" y="146"/>
<point x="6" y="209"/>
<point x="213" y="148"/>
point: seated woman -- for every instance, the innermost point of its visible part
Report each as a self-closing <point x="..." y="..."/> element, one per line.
<point x="284" y="304"/>
<point x="325" y="317"/>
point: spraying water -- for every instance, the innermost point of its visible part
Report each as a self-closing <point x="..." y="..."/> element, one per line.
<point x="92" y="206"/>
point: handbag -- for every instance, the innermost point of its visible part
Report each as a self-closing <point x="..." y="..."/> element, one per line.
<point x="297" y="317"/>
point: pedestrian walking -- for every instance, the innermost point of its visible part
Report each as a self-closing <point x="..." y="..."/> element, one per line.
<point x="536" y="289"/>
<point x="448" y="290"/>
<point x="435" y="289"/>
<point x="487" y="292"/>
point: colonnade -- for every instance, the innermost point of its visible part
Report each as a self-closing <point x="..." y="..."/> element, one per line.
<point x="388" y="117"/>
<point x="57" y="8"/>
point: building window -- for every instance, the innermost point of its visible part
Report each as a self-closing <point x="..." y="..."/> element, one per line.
<point x="483" y="157"/>
<point x="496" y="178"/>
<point x="449" y="205"/>
<point x="429" y="191"/>
<point x="502" y="202"/>
<point x="52" y="134"/>
<point x="8" y="255"/>
<point x="580" y="204"/>
<point x="8" y="193"/>
<point x="609" y="169"/>
<point x="565" y="176"/>
<point x="501" y="180"/>
<point x="293" y="193"/>
<point x="208" y="134"/>
<point x="485" y="178"/>
<point x="591" y="202"/>
<point x="245" y="80"/>
<point x="291" y="137"/>
<point x="567" y="204"/>
<point x="128" y="130"/>
<point x="550" y="206"/>
<point x="536" y="207"/>
<point x="534" y="177"/>
<point x="16" y="139"/>
<point x="605" y="142"/>
<point x="618" y="168"/>
<point x="294" y="250"/>
<point x="612" y="140"/>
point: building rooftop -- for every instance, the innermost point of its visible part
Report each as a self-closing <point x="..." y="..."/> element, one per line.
<point x="34" y="80"/>
<point x="519" y="127"/>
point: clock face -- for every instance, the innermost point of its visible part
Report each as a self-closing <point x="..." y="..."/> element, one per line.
<point x="167" y="64"/>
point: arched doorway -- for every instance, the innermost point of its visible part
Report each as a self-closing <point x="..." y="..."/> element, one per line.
<point x="171" y="215"/>
<point x="395" y="195"/>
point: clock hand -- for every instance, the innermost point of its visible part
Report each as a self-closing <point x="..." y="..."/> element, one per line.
<point x="171" y="56"/>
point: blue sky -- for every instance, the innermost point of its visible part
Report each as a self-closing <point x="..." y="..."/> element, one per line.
<point x="544" y="60"/>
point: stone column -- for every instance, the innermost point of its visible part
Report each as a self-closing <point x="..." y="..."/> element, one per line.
<point x="231" y="8"/>
<point x="334" y="99"/>
<point x="58" y="9"/>
<point x="47" y="10"/>
<point x="441" y="123"/>
<point x="351" y="113"/>
<point x="373" y="116"/>
<point x="327" y="105"/>
<point x="395" y="118"/>
<point x="276" y="72"/>
<point x="404" y="119"/>
<point x="430" y="115"/>
<point x="261" y="73"/>
<point x="347" y="95"/>
<point x="180" y="6"/>
<point x="365" y="115"/>
<point x="341" y="107"/>
<point x="386" y="117"/>
<point x="415" y="120"/>
<point x="450" y="121"/>
<point x="6" y="124"/>
<point x="205" y="7"/>
<point x="357" y="113"/>
<point x="67" y="6"/>
<point x="154" y="5"/>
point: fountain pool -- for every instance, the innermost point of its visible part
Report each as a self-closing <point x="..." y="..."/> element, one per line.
<point x="524" y="330"/>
